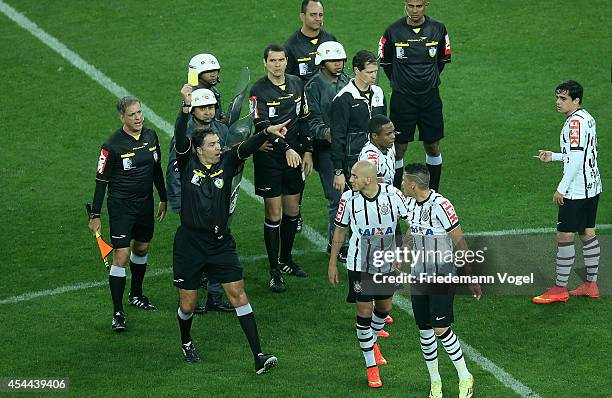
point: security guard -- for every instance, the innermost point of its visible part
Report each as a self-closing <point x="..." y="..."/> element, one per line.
<point x="279" y="98"/>
<point x="203" y="242"/>
<point x="204" y="71"/>
<point x="413" y="52"/>
<point x="203" y="106"/>
<point x="301" y="47"/>
<point x="129" y="165"/>
<point x="352" y="109"/>
<point x="321" y="90"/>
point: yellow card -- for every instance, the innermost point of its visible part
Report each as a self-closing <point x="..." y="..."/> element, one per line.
<point x="192" y="79"/>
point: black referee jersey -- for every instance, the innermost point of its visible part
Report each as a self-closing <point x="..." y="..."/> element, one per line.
<point x="274" y="105"/>
<point x="301" y="51"/>
<point x="129" y="166"/>
<point x="413" y="56"/>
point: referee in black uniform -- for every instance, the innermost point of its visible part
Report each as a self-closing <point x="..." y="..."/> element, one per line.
<point x="413" y="52"/>
<point x="203" y="242"/>
<point x="129" y="164"/>
<point x="275" y="99"/>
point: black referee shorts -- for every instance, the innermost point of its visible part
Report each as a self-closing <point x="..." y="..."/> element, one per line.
<point x="198" y="252"/>
<point x="273" y="177"/>
<point x="436" y="309"/>
<point x="423" y="111"/>
<point x="130" y="219"/>
<point x="577" y="214"/>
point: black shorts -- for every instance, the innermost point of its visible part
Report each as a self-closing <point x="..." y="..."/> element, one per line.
<point x="130" y="219"/>
<point x="363" y="289"/>
<point x="274" y="177"/>
<point x="198" y="252"/>
<point x="577" y="214"/>
<point x="435" y="310"/>
<point x="423" y="111"/>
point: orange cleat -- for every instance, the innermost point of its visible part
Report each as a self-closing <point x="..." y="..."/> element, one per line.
<point x="588" y="289"/>
<point x="552" y="295"/>
<point x="388" y="319"/>
<point x="384" y="334"/>
<point x="380" y="360"/>
<point x="374" y="377"/>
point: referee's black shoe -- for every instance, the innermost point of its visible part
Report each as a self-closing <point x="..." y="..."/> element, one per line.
<point x="277" y="282"/>
<point x="214" y="302"/>
<point x="190" y="353"/>
<point x="141" y="302"/>
<point x="118" y="324"/>
<point x="265" y="362"/>
<point x="292" y="268"/>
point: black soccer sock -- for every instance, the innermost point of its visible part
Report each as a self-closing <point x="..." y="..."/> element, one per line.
<point x="399" y="174"/>
<point x="184" y="321"/>
<point x="138" y="268"/>
<point x="287" y="237"/>
<point x="116" y="281"/>
<point x="249" y="327"/>
<point x="434" y="165"/>
<point x="272" y="238"/>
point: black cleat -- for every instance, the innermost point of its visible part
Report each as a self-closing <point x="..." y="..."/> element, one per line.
<point x="141" y="302"/>
<point x="215" y="302"/>
<point x="190" y="353"/>
<point x="300" y="224"/>
<point x="265" y="362"/>
<point x="277" y="282"/>
<point x="199" y="309"/>
<point x="118" y="324"/>
<point x="292" y="268"/>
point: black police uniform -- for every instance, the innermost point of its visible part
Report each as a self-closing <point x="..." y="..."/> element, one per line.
<point x="413" y="58"/>
<point x="274" y="105"/>
<point x="301" y="51"/>
<point x="129" y="166"/>
<point x="203" y="242"/>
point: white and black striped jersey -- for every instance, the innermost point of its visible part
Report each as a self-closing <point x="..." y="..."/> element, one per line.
<point x="372" y="222"/>
<point x="430" y="222"/>
<point x="384" y="161"/>
<point x="578" y="142"/>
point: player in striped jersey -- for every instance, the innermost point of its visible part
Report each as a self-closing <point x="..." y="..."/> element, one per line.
<point x="577" y="195"/>
<point x="372" y="211"/>
<point x="380" y="150"/>
<point x="434" y="225"/>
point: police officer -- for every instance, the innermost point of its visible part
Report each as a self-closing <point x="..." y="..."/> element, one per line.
<point x="352" y="109"/>
<point x="413" y="52"/>
<point x="202" y="112"/>
<point x="278" y="98"/>
<point x="301" y="47"/>
<point x="204" y="71"/>
<point x="129" y="165"/>
<point x="203" y="241"/>
<point x="321" y="90"/>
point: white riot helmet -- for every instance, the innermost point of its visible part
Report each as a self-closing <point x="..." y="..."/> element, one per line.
<point x="330" y="51"/>
<point x="203" y="63"/>
<point x="202" y="97"/>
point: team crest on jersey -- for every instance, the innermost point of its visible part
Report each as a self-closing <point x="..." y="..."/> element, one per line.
<point x="218" y="182"/>
<point x="357" y="288"/>
<point x="272" y="112"/>
<point x="385" y="209"/>
<point x="128" y="164"/>
<point x="432" y="51"/>
<point x="196" y="180"/>
<point x="424" y="215"/>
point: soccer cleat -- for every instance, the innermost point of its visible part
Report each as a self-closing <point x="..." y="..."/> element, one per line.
<point x="190" y="353"/>
<point x="199" y="309"/>
<point x="215" y="302"/>
<point x="388" y="319"/>
<point x="291" y="268"/>
<point x="141" y="302"/>
<point x="435" y="391"/>
<point x="300" y="225"/>
<point x="466" y="387"/>
<point x="264" y="362"/>
<point x="588" y="289"/>
<point x="552" y="295"/>
<point x="277" y="282"/>
<point x="380" y="360"/>
<point x="383" y="333"/>
<point x="118" y="324"/>
<point x="374" y="377"/>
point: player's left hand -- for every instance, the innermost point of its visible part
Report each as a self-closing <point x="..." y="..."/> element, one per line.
<point x="161" y="211"/>
<point x="476" y="290"/>
<point x="307" y="164"/>
<point x="558" y="198"/>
